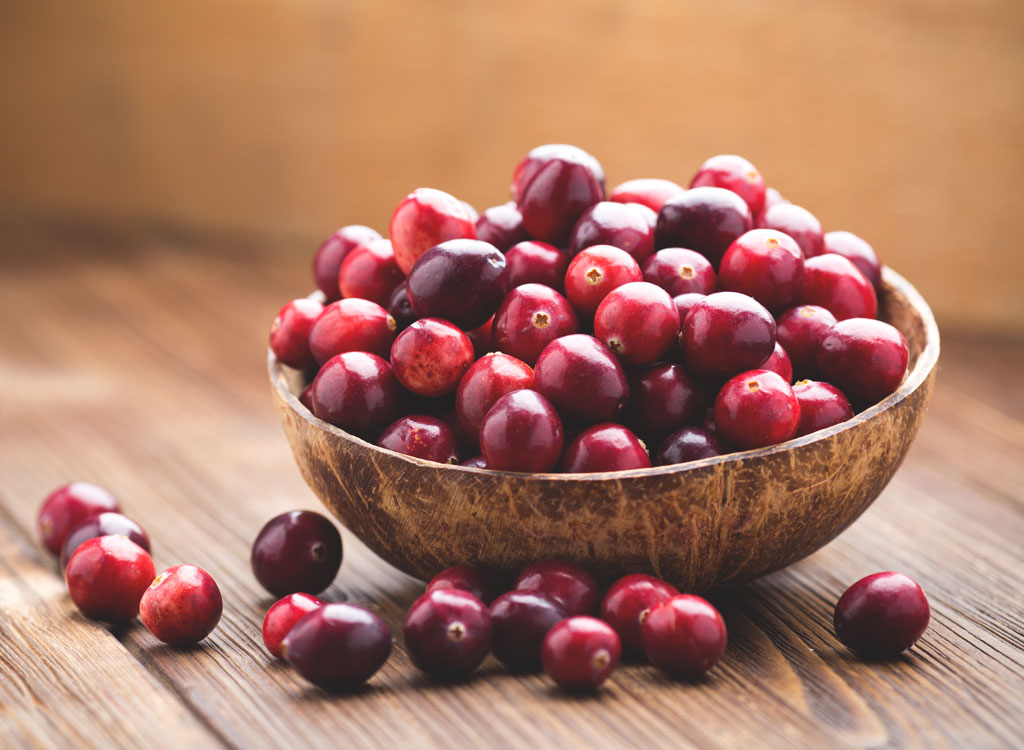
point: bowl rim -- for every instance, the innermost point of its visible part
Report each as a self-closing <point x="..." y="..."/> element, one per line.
<point x="914" y="379"/>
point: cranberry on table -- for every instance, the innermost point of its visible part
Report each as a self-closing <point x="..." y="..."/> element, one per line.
<point x="627" y="603"/>
<point x="647" y="191"/>
<point x="102" y="525"/>
<point x="733" y="173"/>
<point x="289" y="333"/>
<point x="680" y="271"/>
<point x="422" y="436"/>
<point x="799" y="330"/>
<point x="536" y="263"/>
<point x="68" y="506"/>
<point x="594" y="273"/>
<point x="299" y="551"/>
<point x="283" y="615"/>
<point x="821" y="405"/>
<point x="540" y="156"/>
<point x="638" y="321"/>
<point x="182" y="606"/>
<point x="519" y="621"/>
<point x="866" y="359"/>
<point x="580" y="653"/>
<point x="400" y="308"/>
<point x="476" y="581"/>
<point x="858" y="252"/>
<point x="502" y="226"/>
<point x="431" y="356"/>
<point x="338" y="646"/>
<point x="447" y="633"/>
<point x="331" y="253"/>
<point x="530" y="317"/>
<point x="461" y="281"/>
<point x="779" y="363"/>
<point x="766" y="265"/>
<point x="726" y="333"/>
<point x="561" y="581"/>
<point x="662" y="398"/>
<point x="370" y="272"/>
<point x="427" y="217"/>
<point x="351" y="325"/>
<point x="755" y="409"/>
<point x="684" y="636"/>
<point x="605" y="447"/>
<point x="357" y="391"/>
<point x="487" y="380"/>
<point x="834" y="283"/>
<point x="106" y="577"/>
<point x="882" y="615"/>
<point x="521" y="432"/>
<point x="582" y="378"/>
<point x="617" y="224"/>
<point x="684" y="302"/>
<point x="705" y="219"/>
<point x="688" y="444"/>
<point x="798" y="223"/>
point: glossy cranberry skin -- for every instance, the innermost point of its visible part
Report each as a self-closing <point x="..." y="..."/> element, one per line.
<point x="422" y="436"/>
<point x="628" y="602"/>
<point x="431" y="356"/>
<point x="461" y="281"/>
<point x="540" y="156"/>
<point x="798" y="223"/>
<point x="705" y="219"/>
<point x="331" y="253"/>
<point x="536" y="263"/>
<point x="521" y="432"/>
<point x="580" y="653"/>
<point x="594" y="273"/>
<point x="476" y="581"/>
<point x="684" y="302"/>
<point x="882" y="615"/>
<point x="833" y="282"/>
<point x="283" y="615"/>
<point x="289" y="333"/>
<point x="647" y="191"/>
<point x="663" y="398"/>
<point x="561" y="581"/>
<point x="799" y="331"/>
<point x="182" y="606"/>
<point x="733" y="173"/>
<point x="772" y="197"/>
<point x="617" y="224"/>
<point x="605" y="447"/>
<point x="299" y="551"/>
<point x="370" y="272"/>
<point x="688" y="444"/>
<point x="357" y="391"/>
<point x="766" y="265"/>
<point x="106" y="577"/>
<point x="531" y="317"/>
<point x="582" y="378"/>
<point x="638" y="321"/>
<point x="520" y="620"/>
<point x="102" y="525"/>
<point x="502" y="226"/>
<point x="684" y="636"/>
<point x="306" y="397"/>
<point x="68" y="506"/>
<point x="821" y="405"/>
<point x="338" y="646"/>
<point x="400" y="308"/>
<point x="557" y="193"/>
<point x="351" y="325"/>
<point x="487" y="380"/>
<point x="858" y="252"/>
<point x="755" y="409"/>
<point x="866" y="359"/>
<point x="726" y="333"/>
<point x="779" y="363"/>
<point x="427" y="217"/>
<point x="447" y="633"/>
<point x="680" y="271"/>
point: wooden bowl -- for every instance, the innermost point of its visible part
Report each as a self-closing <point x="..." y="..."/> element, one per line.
<point x="704" y="525"/>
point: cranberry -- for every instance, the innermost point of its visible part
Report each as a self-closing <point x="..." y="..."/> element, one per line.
<point x="289" y="333"/>
<point x="328" y="259"/>
<point x="617" y="224"/>
<point x="476" y="581"/>
<point x="821" y="405"/>
<point x="561" y="581"/>
<point x="882" y="615"/>
<point x="370" y="272"/>
<point x="556" y="191"/>
<point x="520" y="620"/>
<point x="680" y="271"/>
<point x="502" y="226"/>
<point x="182" y="606"/>
<point x="400" y="308"/>
<point x="766" y="265"/>
<point x="733" y="173"/>
<point x="799" y="331"/>
<point x="688" y="444"/>
<point x="356" y="391"/>
<point x="306" y="397"/>
<point x="834" y="283"/>
<point x="482" y="338"/>
<point x="422" y="436"/>
<point x="582" y="378"/>
<point x="647" y="191"/>
<point x="705" y="219"/>
<point x="68" y="506"/>
<point x="605" y="447"/>
<point x="726" y="333"/>
<point x="338" y="646"/>
<point x="474" y="462"/>
<point x="107" y="576"/>
<point x="431" y="356"/>
<point x="663" y="398"/>
<point x="865" y="358"/>
<point x="281" y="618"/>
<point x="627" y="603"/>
<point x="540" y="156"/>
<point x="351" y="325"/>
<point x="447" y="633"/>
<point x="779" y="363"/>
<point x="798" y="223"/>
<point x="580" y="653"/>
<point x="684" y="303"/>
<point x="462" y="281"/>
<point x="858" y="252"/>
<point x="102" y="525"/>
<point x="295" y="552"/>
<point x="530" y="318"/>
<point x="427" y="217"/>
<point x="755" y="409"/>
<point x="638" y="321"/>
<point x="490" y="378"/>
<point x="594" y="273"/>
<point x="536" y="263"/>
<point x="684" y="636"/>
<point x="521" y="432"/>
<point x="772" y="197"/>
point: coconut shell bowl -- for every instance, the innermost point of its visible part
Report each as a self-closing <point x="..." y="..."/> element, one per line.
<point x="708" y="524"/>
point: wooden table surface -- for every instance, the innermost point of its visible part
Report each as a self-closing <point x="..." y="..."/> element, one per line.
<point x="134" y="358"/>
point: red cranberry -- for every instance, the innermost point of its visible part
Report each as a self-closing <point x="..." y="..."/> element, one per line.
<point x="779" y="363"/>
<point x="531" y="317"/>
<point x="882" y="615"/>
<point x="688" y="444"/>
<point x="540" y="156"/>
<point x="798" y="223"/>
<point x="102" y="525"/>
<point x="580" y="653"/>
<point x="490" y="378"/>
<point x="684" y="302"/>
<point x="582" y="378"/>
<point x="356" y="391"/>
<point x="474" y="462"/>
<point x="422" y="436"/>
<point x="705" y="219"/>
<point x="821" y="405"/>
<point x="726" y="333"/>
<point x="520" y="620"/>
<point x="557" y="194"/>
<point x="663" y="398"/>
<point x="107" y="576"/>
<point x="684" y="636"/>
<point x="594" y="273"/>
<point x="680" y="271"/>
<point x="476" y="581"/>
<point x="427" y="217"/>
<point x="281" y="618"/>
<point x="628" y="602"/>
<point x="605" y="447"/>
<point x="289" y="333"/>
<point x="338" y="646"/>
<point x="370" y="272"/>
<point x="772" y="197"/>
<point x="733" y="173"/>
<point x="617" y="224"/>
<point x="858" y="252"/>
<point x="536" y="263"/>
<point x="638" y="321"/>
<point x="462" y="281"/>
<point x="865" y="358"/>
<point x="647" y="191"/>
<point x="521" y="432"/>
<point x="431" y="356"/>
<point x="182" y="606"/>
<point x="482" y="338"/>
<point x="351" y="325"/>
<point x="447" y="633"/>
<point x="328" y="259"/>
<point x="799" y="331"/>
<point x="766" y="265"/>
<point x="295" y="552"/>
<point x="68" y="506"/>
<point x="400" y="308"/>
<point x="755" y="409"/>
<point x="834" y="283"/>
<point x="502" y="226"/>
<point x="306" y="397"/>
<point x="561" y="581"/>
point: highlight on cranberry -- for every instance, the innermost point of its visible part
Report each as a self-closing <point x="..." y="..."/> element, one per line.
<point x="107" y="576"/>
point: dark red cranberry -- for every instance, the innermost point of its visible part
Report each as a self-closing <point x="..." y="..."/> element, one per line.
<point x="866" y="359"/>
<point x="594" y="273"/>
<point x="68" y="506"/>
<point x="628" y="602"/>
<point x="638" y="321"/>
<point x="338" y="646"/>
<point x="617" y="224"/>
<point x="882" y="615"/>
<point x="779" y="363"/>
<point x="733" y="173"/>
<point x="834" y="283"/>
<point x="102" y="525"/>
<point x="520" y="620"/>
<point x="422" y="436"/>
<point x="726" y="333"/>
<point x="357" y="391"/>
<point x="705" y="219"/>
<point x="540" y="156"/>
<point x="684" y="636"/>
<point x="536" y="263"/>
<point x="766" y="265"/>
<point x="684" y="302"/>
<point x="858" y="252"/>
<point x="431" y="356"/>
<point x="663" y="398"/>
<point x="331" y="253"/>
<point x="798" y="223"/>
<point x="294" y="552"/>
<point x="107" y="576"/>
<point x="688" y="444"/>
<point x="447" y="633"/>
<point x="502" y="226"/>
<point x="647" y="191"/>
<point x="482" y="338"/>
<point x="557" y="193"/>
<point x="605" y="447"/>
<point x="306" y="397"/>
<point x="476" y="581"/>
<point x="561" y="581"/>
<point x="370" y="272"/>
<point x="289" y="333"/>
<point x="755" y="409"/>
<point x="351" y="325"/>
<point x="650" y="216"/>
<point x="474" y="462"/>
<point x="462" y="281"/>
<point x="680" y="271"/>
<point x="580" y="653"/>
<point x="582" y="378"/>
<point x="182" y="606"/>
<point x="821" y="405"/>
<point x="521" y="432"/>
<point x="799" y="331"/>
<point x="281" y="618"/>
<point x="531" y="317"/>
<point x="427" y="217"/>
<point x="400" y="308"/>
<point x="490" y="378"/>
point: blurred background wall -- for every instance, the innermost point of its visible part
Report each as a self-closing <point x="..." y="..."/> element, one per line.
<point x="901" y="120"/>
